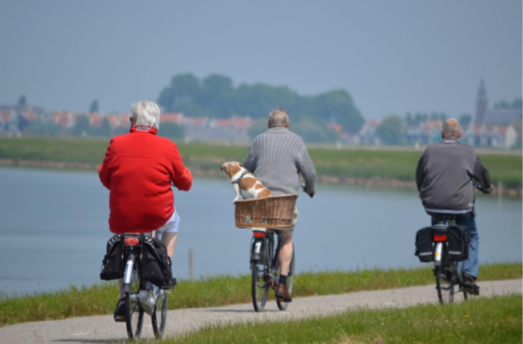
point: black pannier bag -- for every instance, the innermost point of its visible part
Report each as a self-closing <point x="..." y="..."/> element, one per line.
<point x="459" y="242"/>
<point x="156" y="264"/>
<point x="112" y="264"/>
<point x="424" y="247"/>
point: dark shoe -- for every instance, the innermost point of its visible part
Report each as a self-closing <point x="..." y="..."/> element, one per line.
<point x="119" y="312"/>
<point x="282" y="293"/>
<point x="469" y="284"/>
<point x="170" y="285"/>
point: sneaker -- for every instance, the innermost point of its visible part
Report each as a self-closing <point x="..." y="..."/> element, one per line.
<point x="119" y="312"/>
<point x="282" y="293"/>
<point x="469" y="284"/>
<point x="171" y="284"/>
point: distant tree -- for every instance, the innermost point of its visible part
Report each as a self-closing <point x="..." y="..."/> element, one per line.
<point x="94" y="106"/>
<point x="217" y="94"/>
<point x="106" y="128"/>
<point x="503" y="104"/>
<point x="172" y="131"/>
<point x="217" y="97"/>
<point x="183" y="88"/>
<point x="517" y="103"/>
<point x="420" y="117"/>
<point x="338" y="106"/>
<point x="409" y="119"/>
<point x="390" y="131"/>
<point x="313" y="130"/>
<point x="465" y="120"/>
<point x="82" y="126"/>
<point x="438" y="116"/>
<point x="22" y="101"/>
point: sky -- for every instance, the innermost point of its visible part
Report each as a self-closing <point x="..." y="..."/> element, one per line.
<point x="391" y="56"/>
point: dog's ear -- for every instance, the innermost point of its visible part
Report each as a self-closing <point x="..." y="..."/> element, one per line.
<point x="241" y="164"/>
<point x="224" y="168"/>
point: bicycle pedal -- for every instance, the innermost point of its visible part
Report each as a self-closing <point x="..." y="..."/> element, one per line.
<point x="119" y="318"/>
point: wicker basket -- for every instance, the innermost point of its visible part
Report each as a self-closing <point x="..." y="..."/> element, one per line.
<point x="275" y="212"/>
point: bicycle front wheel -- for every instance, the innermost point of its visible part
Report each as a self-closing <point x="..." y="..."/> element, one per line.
<point x="259" y="287"/>
<point x="282" y="305"/>
<point x="159" y="314"/>
<point x="133" y="310"/>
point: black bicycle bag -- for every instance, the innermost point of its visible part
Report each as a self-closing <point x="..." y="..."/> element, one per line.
<point x="458" y="243"/>
<point x="112" y="264"/>
<point x="156" y="264"/>
<point x="424" y="246"/>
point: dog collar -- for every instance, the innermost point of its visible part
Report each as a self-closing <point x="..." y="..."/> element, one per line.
<point x="237" y="181"/>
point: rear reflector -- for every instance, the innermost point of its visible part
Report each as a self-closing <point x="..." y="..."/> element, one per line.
<point x="440" y="238"/>
<point x="131" y="241"/>
<point x="258" y="234"/>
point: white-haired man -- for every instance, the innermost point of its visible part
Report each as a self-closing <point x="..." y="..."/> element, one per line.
<point x="443" y="178"/>
<point x="277" y="158"/>
<point x="139" y="168"/>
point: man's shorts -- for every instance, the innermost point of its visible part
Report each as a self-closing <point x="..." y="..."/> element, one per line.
<point x="171" y="226"/>
<point x="288" y="233"/>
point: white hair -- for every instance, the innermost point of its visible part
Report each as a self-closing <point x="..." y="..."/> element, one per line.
<point x="147" y="114"/>
<point x="278" y="118"/>
<point x="451" y="128"/>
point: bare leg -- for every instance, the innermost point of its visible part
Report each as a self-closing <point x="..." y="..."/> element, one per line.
<point x="169" y="239"/>
<point x="285" y="256"/>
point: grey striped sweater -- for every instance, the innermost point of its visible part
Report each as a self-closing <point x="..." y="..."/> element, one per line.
<point x="277" y="157"/>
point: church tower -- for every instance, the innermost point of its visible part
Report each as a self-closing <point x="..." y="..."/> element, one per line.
<point x="481" y="104"/>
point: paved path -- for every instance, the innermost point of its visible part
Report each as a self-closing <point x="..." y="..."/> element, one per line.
<point x="102" y="329"/>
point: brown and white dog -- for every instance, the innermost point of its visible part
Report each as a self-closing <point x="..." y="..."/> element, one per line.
<point x="244" y="182"/>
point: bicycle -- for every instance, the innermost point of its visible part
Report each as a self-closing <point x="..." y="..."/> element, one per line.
<point x="265" y="268"/>
<point x="448" y="273"/>
<point x="141" y="296"/>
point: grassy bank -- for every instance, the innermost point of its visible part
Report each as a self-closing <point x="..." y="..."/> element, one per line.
<point x="223" y="290"/>
<point x="483" y="320"/>
<point x="353" y="163"/>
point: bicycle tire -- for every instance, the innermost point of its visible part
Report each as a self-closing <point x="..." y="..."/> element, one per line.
<point x="159" y="315"/>
<point x="282" y="305"/>
<point x="445" y="280"/>
<point x="133" y="310"/>
<point x="259" y="287"/>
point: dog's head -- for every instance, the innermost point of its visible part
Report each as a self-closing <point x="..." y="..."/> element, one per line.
<point x="231" y="168"/>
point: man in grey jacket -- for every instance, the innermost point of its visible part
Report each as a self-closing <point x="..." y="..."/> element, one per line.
<point x="443" y="178"/>
<point x="277" y="158"/>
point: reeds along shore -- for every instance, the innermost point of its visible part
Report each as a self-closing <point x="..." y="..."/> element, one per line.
<point x="374" y="181"/>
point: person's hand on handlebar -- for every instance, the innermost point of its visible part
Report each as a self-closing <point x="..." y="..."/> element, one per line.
<point x="312" y="194"/>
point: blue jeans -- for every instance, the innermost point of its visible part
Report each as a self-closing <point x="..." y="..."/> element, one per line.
<point x="471" y="265"/>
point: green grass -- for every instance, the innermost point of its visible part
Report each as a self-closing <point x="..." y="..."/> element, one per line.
<point x="221" y="290"/>
<point x="353" y="163"/>
<point x="493" y="320"/>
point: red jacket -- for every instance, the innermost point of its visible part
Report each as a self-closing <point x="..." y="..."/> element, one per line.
<point x="138" y="169"/>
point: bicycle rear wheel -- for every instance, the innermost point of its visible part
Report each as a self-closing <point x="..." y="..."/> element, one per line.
<point x="282" y="305"/>
<point x="445" y="283"/>
<point x="133" y="310"/>
<point x="159" y="314"/>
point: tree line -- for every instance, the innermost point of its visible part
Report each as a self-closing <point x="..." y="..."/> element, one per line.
<point x="216" y="96"/>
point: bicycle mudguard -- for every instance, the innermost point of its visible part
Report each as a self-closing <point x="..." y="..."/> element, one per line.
<point x="126" y="288"/>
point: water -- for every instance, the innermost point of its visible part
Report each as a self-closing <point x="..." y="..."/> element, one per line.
<point x="53" y="229"/>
